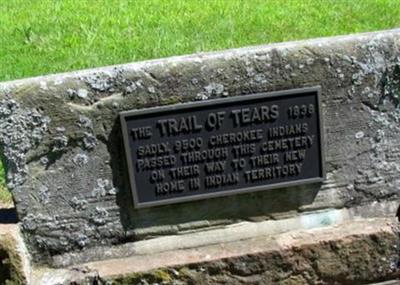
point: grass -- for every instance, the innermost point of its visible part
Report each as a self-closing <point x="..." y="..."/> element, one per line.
<point x="5" y="197"/>
<point x="47" y="36"/>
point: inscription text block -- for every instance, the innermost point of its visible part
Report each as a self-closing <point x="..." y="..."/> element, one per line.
<point x="224" y="146"/>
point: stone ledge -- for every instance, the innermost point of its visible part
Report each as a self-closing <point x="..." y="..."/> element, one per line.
<point x="229" y="233"/>
<point x="364" y="250"/>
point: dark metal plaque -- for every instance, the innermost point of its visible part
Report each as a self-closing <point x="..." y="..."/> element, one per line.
<point x="224" y="146"/>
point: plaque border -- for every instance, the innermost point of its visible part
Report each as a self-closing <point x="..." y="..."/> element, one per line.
<point x="298" y="91"/>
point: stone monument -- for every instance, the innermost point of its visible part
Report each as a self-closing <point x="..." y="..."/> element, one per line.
<point x="265" y="164"/>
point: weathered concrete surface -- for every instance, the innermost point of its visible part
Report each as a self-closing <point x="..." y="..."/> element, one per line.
<point x="224" y="235"/>
<point x="357" y="252"/>
<point x="65" y="166"/>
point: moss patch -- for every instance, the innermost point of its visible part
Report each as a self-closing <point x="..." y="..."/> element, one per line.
<point x="160" y="276"/>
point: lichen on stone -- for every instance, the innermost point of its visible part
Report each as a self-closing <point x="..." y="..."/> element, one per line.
<point x="21" y="129"/>
<point x="80" y="159"/>
<point x="85" y="122"/>
<point x="103" y="187"/>
<point x="59" y="143"/>
<point x="44" y="194"/>
<point x="89" y="141"/>
<point x="78" y="204"/>
<point x="99" y="216"/>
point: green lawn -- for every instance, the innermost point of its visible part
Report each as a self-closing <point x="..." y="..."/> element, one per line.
<point x="43" y="36"/>
<point x="46" y="36"/>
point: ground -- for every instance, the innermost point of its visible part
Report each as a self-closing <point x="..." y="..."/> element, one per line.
<point x="43" y="37"/>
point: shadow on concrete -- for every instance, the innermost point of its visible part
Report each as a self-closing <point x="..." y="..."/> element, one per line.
<point x="8" y="216"/>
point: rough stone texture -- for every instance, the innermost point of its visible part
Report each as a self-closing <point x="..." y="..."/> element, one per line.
<point x="61" y="138"/>
<point x="170" y="247"/>
<point x="353" y="260"/>
<point x="358" y="252"/>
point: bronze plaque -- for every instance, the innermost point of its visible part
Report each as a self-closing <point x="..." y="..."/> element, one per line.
<point x="224" y="146"/>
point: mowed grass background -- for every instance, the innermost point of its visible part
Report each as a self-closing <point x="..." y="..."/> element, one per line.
<point x="46" y="36"/>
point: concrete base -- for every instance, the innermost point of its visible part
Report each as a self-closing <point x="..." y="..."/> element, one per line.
<point x="346" y="246"/>
<point x="360" y="251"/>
